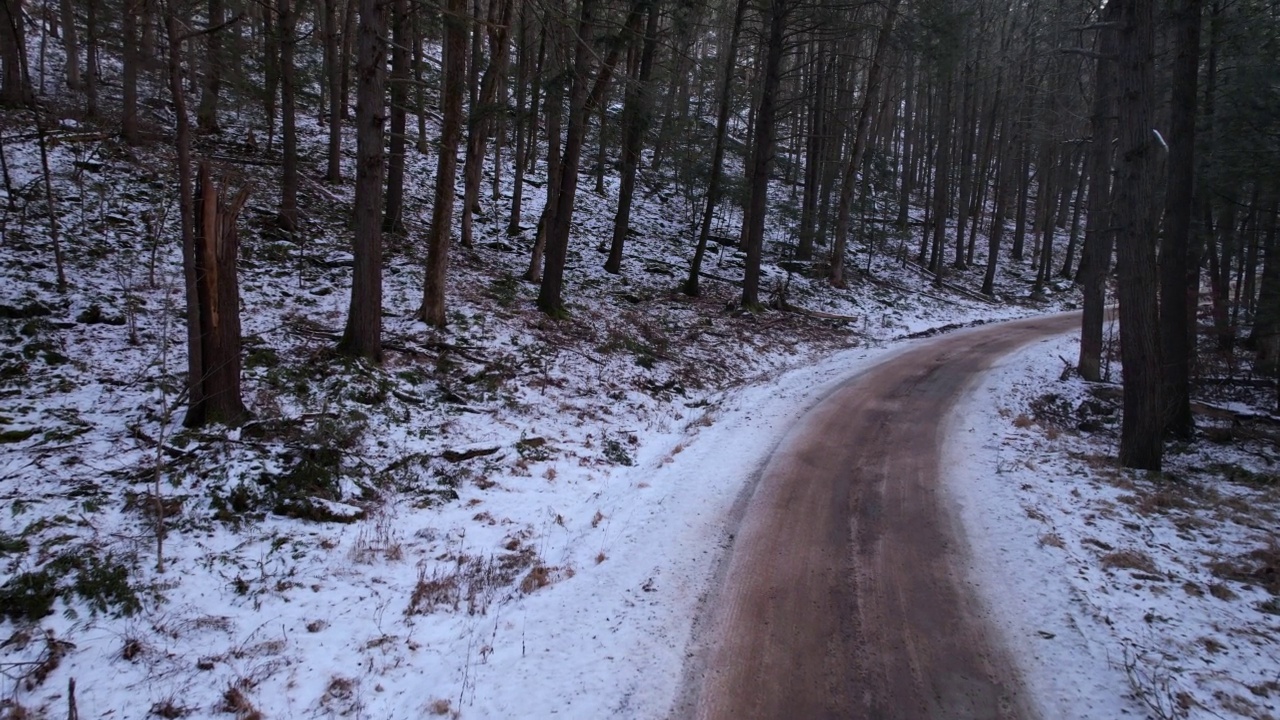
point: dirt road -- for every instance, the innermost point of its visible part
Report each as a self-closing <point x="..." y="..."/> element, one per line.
<point x="842" y="596"/>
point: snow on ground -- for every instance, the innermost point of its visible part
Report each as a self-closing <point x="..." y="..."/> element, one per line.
<point x="1120" y="593"/>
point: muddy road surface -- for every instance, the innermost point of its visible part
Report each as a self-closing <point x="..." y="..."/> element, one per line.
<point x="844" y="594"/>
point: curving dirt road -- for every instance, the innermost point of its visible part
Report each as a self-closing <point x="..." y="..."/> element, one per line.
<point x="842" y="596"/>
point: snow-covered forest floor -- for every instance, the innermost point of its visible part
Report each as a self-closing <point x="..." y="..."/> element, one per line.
<point x="516" y="517"/>
<point x="1122" y="593"/>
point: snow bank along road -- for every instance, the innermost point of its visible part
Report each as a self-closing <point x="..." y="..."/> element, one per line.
<point x="843" y="595"/>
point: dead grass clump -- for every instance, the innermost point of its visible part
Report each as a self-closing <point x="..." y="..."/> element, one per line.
<point x="601" y="557"/>
<point x="1129" y="560"/>
<point x="235" y="702"/>
<point x="376" y="537"/>
<point x="1257" y="567"/>
<point x="543" y="575"/>
<point x="440" y="707"/>
<point x="595" y="519"/>
<point x="169" y="708"/>
<point x="473" y="581"/>
<point x="10" y="709"/>
<point x="1022" y="422"/>
<point x="1222" y="592"/>
<point x="1213" y="647"/>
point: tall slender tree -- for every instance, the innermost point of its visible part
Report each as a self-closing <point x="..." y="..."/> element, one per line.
<point x="362" y="336"/>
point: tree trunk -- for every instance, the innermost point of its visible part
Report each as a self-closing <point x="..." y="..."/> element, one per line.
<point x="557" y="247"/>
<point x="1095" y="263"/>
<point x="16" y="86"/>
<point x="401" y="32"/>
<point x="1177" y="297"/>
<point x="70" y="44"/>
<point x="483" y="112"/>
<point x="865" y="116"/>
<point x="344" y="60"/>
<point x="333" y="76"/>
<point x="549" y="293"/>
<point x="521" y="122"/>
<point x="762" y="153"/>
<point x="217" y="244"/>
<point x="637" y="114"/>
<point x="1003" y="180"/>
<point x="1142" y="424"/>
<point x="91" y="61"/>
<point x="439" y="234"/>
<point x="129" y="72"/>
<point x="207" y="115"/>
<point x="288" y="21"/>
<point x="362" y="336"/>
<point x="1266" y="324"/>
<point x="270" y="70"/>
<point x="691" y="284"/>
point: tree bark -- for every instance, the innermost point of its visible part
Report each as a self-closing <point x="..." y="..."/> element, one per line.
<point x="1142" y="424"/>
<point x="1095" y="263"/>
<point x="557" y="246"/>
<point x="333" y="76"/>
<point x="129" y="72"/>
<point x="362" y="336"/>
<point x="207" y="115"/>
<point x="288" y="21"/>
<point x="401" y="32"/>
<point x="70" y="43"/>
<point x="637" y="116"/>
<point x="452" y="95"/>
<point x="762" y="153"/>
<point x="482" y="114"/>
<point x="691" y="285"/>
<point x="1266" y="325"/>
<point x="865" y="116"/>
<point x="1177" y="296"/>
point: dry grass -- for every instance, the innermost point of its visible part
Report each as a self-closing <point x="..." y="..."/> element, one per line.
<point x="1022" y="422"/>
<point x="596" y="519"/>
<point x="235" y="702"/>
<point x="1129" y="560"/>
<point x="543" y="575"/>
<point x="1222" y="592"/>
<point x="475" y="582"/>
<point x="1260" y="566"/>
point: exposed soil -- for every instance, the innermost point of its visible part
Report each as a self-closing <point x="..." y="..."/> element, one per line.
<point x="843" y="595"/>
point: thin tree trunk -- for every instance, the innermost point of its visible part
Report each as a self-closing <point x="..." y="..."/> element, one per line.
<point x="333" y="76"/>
<point x="865" y="116"/>
<point x="691" y="284"/>
<point x="288" y="21"/>
<point x="129" y="74"/>
<point x="70" y="44"/>
<point x="393" y="219"/>
<point x="91" y="61"/>
<point x="439" y="234"/>
<point x="483" y="113"/>
<point x="762" y="153"/>
<point x="521" y="152"/>
<point x="1095" y="264"/>
<point x="637" y="113"/>
<point x="207" y="115"/>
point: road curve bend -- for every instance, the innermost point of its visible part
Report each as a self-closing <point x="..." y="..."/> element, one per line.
<point x="843" y="595"/>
